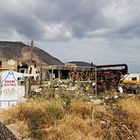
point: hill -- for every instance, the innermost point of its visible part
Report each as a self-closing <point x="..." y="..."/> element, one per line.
<point x="80" y="63"/>
<point x="21" y="51"/>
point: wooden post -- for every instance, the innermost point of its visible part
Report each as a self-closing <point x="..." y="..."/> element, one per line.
<point x="92" y="116"/>
<point x="29" y="92"/>
<point x="59" y="74"/>
<point x="52" y="74"/>
<point x="27" y="88"/>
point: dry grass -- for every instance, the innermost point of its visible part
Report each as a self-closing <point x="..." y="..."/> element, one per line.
<point x="133" y="107"/>
<point x="43" y="119"/>
<point x="81" y="108"/>
<point x="82" y="120"/>
<point x="73" y="127"/>
<point x="36" y="114"/>
<point x="20" y="129"/>
<point x="131" y="82"/>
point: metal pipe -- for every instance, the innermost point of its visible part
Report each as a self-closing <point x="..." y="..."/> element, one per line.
<point x="114" y="65"/>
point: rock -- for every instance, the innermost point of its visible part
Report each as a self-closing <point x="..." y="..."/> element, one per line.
<point x="72" y="88"/>
<point x="120" y="89"/>
<point x="93" y="84"/>
<point x="90" y="97"/>
<point x="131" y="95"/>
<point x="97" y="101"/>
<point x="116" y="97"/>
<point x="102" y="122"/>
<point x="6" y="133"/>
<point x="38" y="90"/>
<point x="56" y="96"/>
<point x="107" y="97"/>
<point x="14" y="128"/>
<point x="63" y="86"/>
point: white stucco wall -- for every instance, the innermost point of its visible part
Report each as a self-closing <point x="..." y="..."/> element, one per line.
<point x="132" y="77"/>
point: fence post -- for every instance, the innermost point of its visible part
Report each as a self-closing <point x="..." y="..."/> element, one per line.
<point x="27" y="87"/>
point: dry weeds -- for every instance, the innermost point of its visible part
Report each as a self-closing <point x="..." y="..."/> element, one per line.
<point x="66" y="118"/>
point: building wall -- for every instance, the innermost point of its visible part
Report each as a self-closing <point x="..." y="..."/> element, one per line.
<point x="132" y="77"/>
<point x="70" y="65"/>
<point x="33" y="69"/>
<point x="5" y="66"/>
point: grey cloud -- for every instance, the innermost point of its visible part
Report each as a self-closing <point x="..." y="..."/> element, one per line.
<point x="24" y="25"/>
<point x="80" y="17"/>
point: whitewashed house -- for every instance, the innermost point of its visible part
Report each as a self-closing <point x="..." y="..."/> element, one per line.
<point x="132" y="77"/>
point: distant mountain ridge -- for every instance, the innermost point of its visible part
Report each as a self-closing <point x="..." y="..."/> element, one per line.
<point x="21" y="51"/>
<point x="80" y="63"/>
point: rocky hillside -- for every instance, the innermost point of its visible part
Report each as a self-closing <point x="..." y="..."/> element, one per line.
<point x="21" y="51"/>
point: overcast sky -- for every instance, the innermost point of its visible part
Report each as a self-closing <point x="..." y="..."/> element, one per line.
<point x="98" y="31"/>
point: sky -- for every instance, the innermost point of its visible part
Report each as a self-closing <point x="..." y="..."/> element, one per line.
<point x="98" y="31"/>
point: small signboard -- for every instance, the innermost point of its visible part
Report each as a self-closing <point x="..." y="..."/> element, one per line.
<point x="10" y="93"/>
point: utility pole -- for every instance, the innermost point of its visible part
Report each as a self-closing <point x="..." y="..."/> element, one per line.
<point x="32" y="46"/>
<point x="28" y="80"/>
<point x="28" y="87"/>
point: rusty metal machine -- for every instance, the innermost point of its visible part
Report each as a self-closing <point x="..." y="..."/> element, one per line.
<point x="108" y="76"/>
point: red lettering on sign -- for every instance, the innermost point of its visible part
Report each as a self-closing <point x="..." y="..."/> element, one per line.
<point x="10" y="81"/>
<point x="9" y="84"/>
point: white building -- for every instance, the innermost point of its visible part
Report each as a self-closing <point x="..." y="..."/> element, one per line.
<point x="132" y="77"/>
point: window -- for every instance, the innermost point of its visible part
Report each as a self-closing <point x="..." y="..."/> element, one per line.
<point x="22" y="71"/>
<point x="134" y="78"/>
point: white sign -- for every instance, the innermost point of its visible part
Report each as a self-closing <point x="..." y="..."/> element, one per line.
<point x="10" y="78"/>
<point x="10" y="93"/>
<point x="11" y="62"/>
